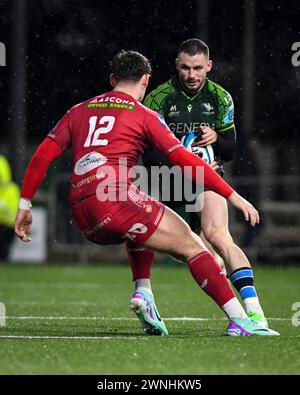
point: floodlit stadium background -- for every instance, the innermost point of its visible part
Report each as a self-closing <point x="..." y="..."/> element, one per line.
<point x="57" y="54"/>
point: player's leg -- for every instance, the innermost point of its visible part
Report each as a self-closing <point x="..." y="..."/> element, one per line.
<point x="142" y="301"/>
<point x="163" y="231"/>
<point x="212" y="251"/>
<point x="174" y="236"/>
<point x="140" y="260"/>
<point x="214" y="221"/>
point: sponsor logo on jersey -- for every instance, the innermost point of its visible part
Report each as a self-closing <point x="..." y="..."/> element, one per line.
<point x="110" y="106"/>
<point x="208" y="106"/>
<point x="112" y="99"/>
<point x="138" y="228"/>
<point x="208" y="109"/>
<point x="181" y="128"/>
<point x="148" y="208"/>
<point x="189" y="107"/>
<point x="101" y="224"/>
<point x="111" y="102"/>
<point x="228" y="116"/>
<point x="89" y="162"/>
<point x="173" y="111"/>
<point x="227" y="100"/>
<point x="89" y="179"/>
<point x="137" y="198"/>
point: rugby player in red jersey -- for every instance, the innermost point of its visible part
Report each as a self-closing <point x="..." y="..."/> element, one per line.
<point x="107" y="134"/>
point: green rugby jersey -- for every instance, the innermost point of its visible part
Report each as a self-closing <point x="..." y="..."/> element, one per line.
<point x="212" y="106"/>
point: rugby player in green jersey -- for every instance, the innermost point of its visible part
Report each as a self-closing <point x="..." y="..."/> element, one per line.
<point x="190" y="102"/>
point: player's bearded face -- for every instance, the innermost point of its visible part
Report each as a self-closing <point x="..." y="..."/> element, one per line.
<point x="192" y="70"/>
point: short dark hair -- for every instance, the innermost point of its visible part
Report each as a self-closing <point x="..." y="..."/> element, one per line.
<point x="192" y="47"/>
<point x="130" y="66"/>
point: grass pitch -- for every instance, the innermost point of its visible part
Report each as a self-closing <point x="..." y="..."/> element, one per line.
<point x="76" y="320"/>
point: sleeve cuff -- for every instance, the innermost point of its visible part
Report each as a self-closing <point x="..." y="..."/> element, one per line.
<point x="25" y="204"/>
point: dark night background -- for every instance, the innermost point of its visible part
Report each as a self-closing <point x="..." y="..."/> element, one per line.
<point x="68" y="44"/>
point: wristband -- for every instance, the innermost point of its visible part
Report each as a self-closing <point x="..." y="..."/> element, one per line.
<point x="25" y="204"/>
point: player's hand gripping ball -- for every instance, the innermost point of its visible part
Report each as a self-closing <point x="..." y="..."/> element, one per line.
<point x="206" y="153"/>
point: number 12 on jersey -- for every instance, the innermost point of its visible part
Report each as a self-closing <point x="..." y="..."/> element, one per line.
<point x="93" y="139"/>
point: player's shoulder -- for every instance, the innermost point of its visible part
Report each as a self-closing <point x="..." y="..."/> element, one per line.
<point x="221" y="94"/>
<point x="157" y="96"/>
<point x="147" y="111"/>
<point x="151" y="116"/>
<point x="91" y="102"/>
<point x="81" y="105"/>
<point x="163" y="89"/>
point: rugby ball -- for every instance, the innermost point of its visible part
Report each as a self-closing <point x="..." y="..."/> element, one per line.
<point x="205" y="153"/>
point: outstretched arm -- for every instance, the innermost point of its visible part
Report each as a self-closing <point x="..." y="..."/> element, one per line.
<point x="189" y="162"/>
<point x="161" y="137"/>
<point x="34" y="175"/>
<point x="185" y="159"/>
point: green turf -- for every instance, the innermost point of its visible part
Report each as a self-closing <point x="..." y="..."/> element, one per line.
<point x="193" y="347"/>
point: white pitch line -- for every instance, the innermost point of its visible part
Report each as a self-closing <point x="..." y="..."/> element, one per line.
<point x="69" y="318"/>
<point x="52" y="302"/>
<point x="127" y="318"/>
<point x="72" y="337"/>
<point x="50" y="285"/>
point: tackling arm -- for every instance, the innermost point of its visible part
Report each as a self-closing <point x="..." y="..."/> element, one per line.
<point x="213" y="181"/>
<point x="183" y="158"/>
<point x="171" y="147"/>
<point x="38" y="166"/>
<point x="35" y="173"/>
<point x="161" y="137"/>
